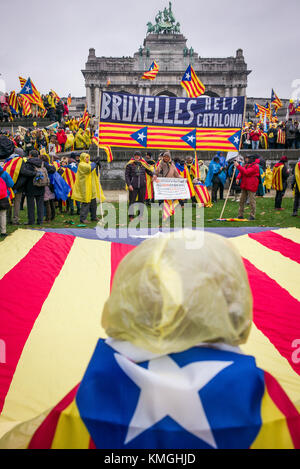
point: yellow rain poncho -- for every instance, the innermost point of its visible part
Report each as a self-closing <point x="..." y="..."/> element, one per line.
<point x="87" y="184"/>
<point x="69" y="145"/>
<point x="268" y="178"/>
<point x="80" y="141"/>
<point x="87" y="139"/>
<point x="170" y="294"/>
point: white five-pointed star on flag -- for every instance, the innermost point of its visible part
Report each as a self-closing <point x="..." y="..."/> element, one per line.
<point x="191" y="138"/>
<point x="141" y="136"/>
<point x="28" y="89"/>
<point x="236" y="139"/>
<point x="187" y="76"/>
<point x="168" y="390"/>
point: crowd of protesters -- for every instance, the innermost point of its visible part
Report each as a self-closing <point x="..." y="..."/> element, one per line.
<point x="48" y="183"/>
<point x="55" y="109"/>
<point x="282" y="135"/>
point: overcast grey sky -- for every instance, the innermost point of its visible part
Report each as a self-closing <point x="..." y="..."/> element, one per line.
<point x="49" y="41"/>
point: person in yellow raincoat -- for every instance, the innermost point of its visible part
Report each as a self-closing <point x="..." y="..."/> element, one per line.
<point x="69" y="145"/>
<point x="87" y="188"/>
<point x="268" y="178"/>
<point x="87" y="138"/>
<point x="80" y="140"/>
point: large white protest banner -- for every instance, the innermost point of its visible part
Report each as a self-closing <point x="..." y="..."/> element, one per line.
<point x="171" y="189"/>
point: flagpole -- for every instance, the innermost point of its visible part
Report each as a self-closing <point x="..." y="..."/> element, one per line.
<point x="224" y="205"/>
<point x="233" y="174"/>
<point x="98" y="150"/>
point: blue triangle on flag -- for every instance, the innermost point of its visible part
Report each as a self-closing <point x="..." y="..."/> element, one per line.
<point x="235" y="139"/>
<point x="27" y="88"/>
<point x="140" y="136"/>
<point x="187" y="74"/>
<point x="190" y="138"/>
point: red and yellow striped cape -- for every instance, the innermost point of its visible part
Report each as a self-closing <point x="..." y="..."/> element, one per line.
<point x="277" y="177"/>
<point x="281" y="136"/>
<point x="13" y="167"/>
<point x="69" y="176"/>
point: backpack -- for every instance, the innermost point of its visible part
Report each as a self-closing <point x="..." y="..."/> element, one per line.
<point x="41" y="178"/>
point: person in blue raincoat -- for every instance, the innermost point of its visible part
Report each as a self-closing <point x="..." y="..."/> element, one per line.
<point x="223" y="163"/>
<point x="261" y="187"/>
<point x="215" y="177"/>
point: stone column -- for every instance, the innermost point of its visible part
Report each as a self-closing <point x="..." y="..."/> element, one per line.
<point x="227" y="92"/>
<point x="97" y="101"/>
<point x="234" y="91"/>
<point x="89" y="97"/>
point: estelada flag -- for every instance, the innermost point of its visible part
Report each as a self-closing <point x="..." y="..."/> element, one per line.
<point x="96" y="415"/>
<point x="152" y="72"/>
<point x="191" y="83"/>
<point x="32" y="94"/>
<point x="275" y="100"/>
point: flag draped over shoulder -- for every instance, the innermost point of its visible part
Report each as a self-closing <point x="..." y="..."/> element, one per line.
<point x="152" y="72"/>
<point x="69" y="176"/>
<point x="191" y="83"/>
<point x="277" y="183"/>
<point x="12" y="167"/>
<point x="138" y="421"/>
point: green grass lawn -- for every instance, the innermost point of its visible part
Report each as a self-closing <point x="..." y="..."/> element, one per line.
<point x="265" y="216"/>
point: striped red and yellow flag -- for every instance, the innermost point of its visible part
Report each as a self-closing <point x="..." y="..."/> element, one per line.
<point x="277" y="183"/>
<point x="202" y="195"/>
<point x="22" y="81"/>
<point x="55" y="95"/>
<point x="169" y="208"/>
<point x="106" y="148"/>
<point x="277" y="103"/>
<point x="13" y="102"/>
<point x="34" y="97"/>
<point x="191" y="83"/>
<point x="195" y="169"/>
<point x="25" y="106"/>
<point x="70" y="177"/>
<point x="85" y="119"/>
<point x="12" y="167"/>
<point x="152" y="72"/>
